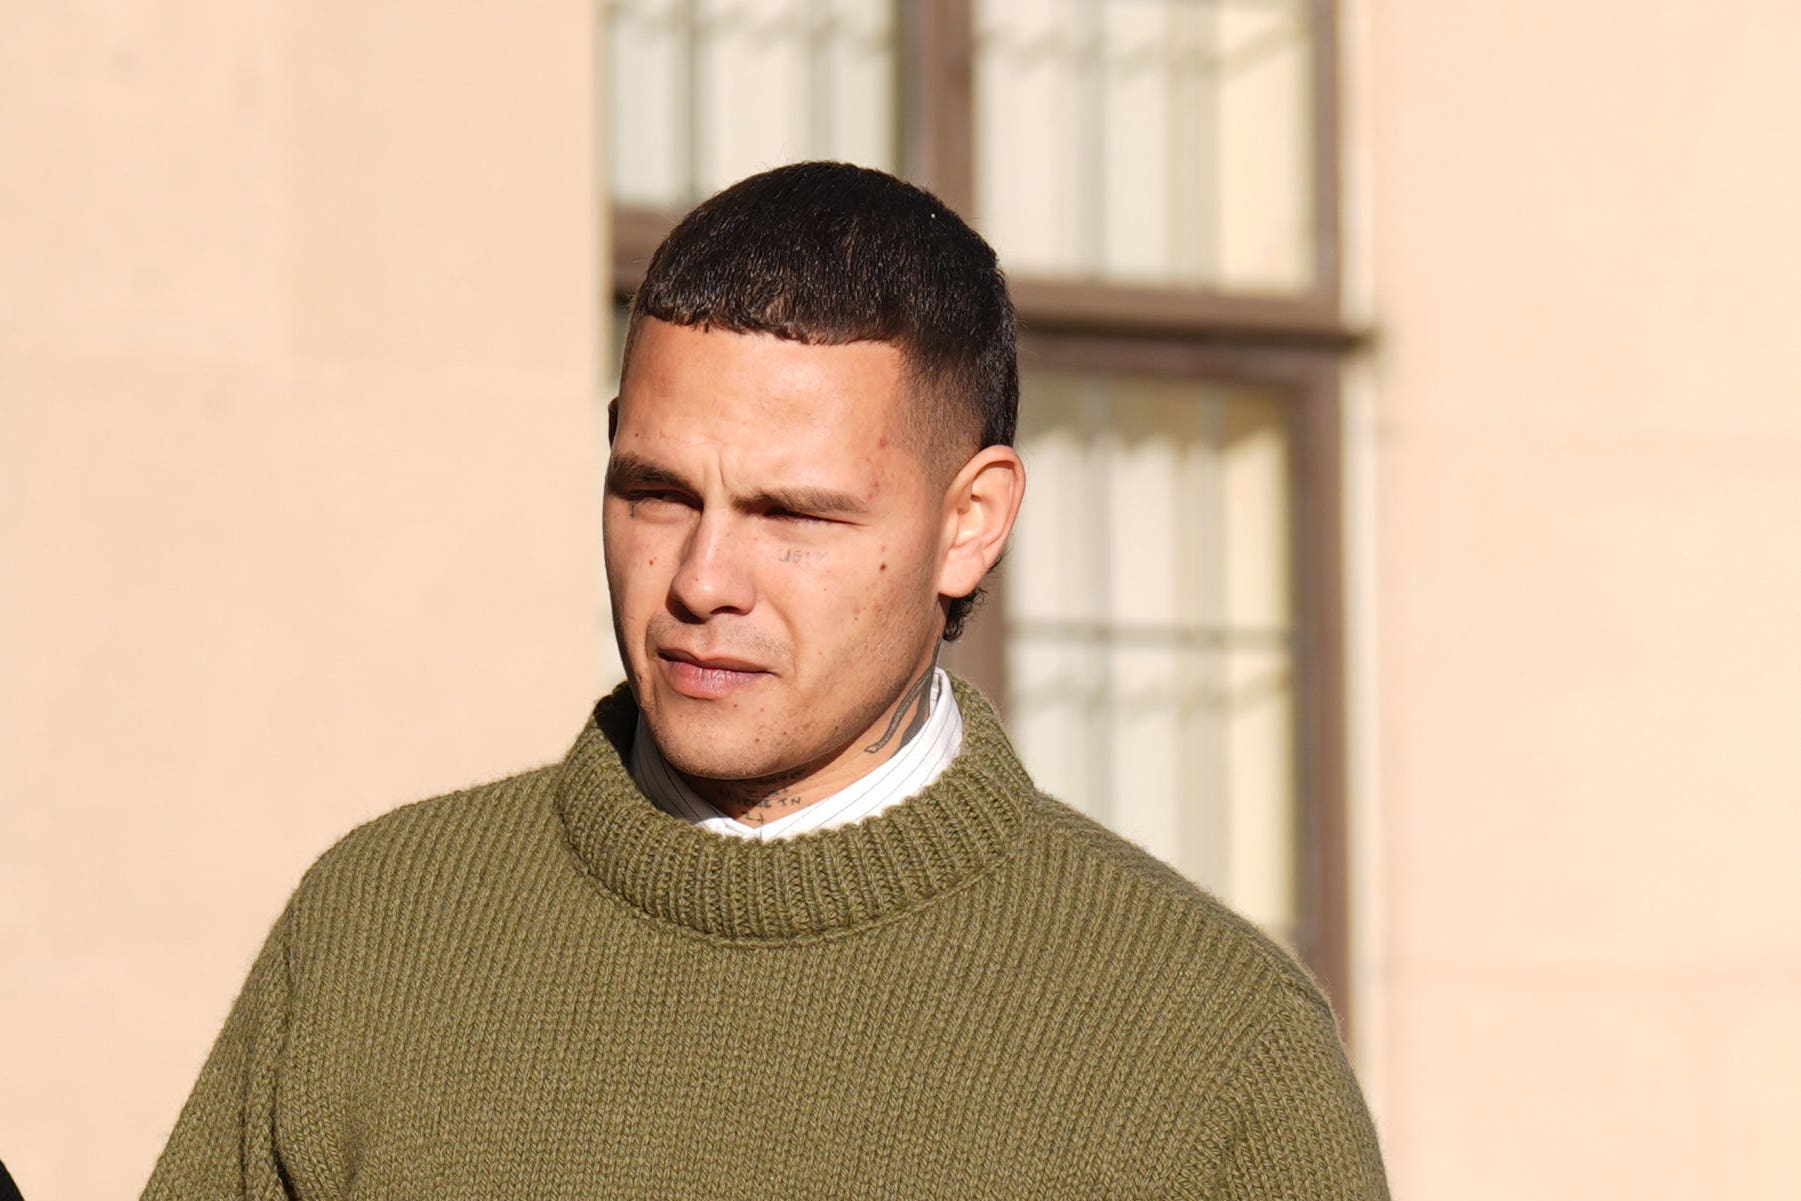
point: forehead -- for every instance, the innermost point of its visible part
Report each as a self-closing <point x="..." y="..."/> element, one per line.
<point x="759" y="396"/>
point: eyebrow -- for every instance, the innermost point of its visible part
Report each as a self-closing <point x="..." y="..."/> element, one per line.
<point x="627" y="472"/>
<point x="817" y="502"/>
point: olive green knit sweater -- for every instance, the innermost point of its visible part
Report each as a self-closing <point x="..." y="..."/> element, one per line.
<point x="546" y="988"/>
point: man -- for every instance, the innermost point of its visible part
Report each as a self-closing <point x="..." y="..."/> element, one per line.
<point x="790" y="920"/>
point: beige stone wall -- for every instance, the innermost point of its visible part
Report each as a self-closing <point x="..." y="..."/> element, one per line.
<point x="298" y="374"/>
<point x="1583" y="450"/>
<point x="299" y="334"/>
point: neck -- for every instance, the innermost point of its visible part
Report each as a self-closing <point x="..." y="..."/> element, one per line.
<point x="755" y="802"/>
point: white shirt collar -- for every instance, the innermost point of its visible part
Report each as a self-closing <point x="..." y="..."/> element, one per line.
<point x="920" y="760"/>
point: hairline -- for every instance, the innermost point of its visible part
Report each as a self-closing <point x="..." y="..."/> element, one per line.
<point x="941" y="455"/>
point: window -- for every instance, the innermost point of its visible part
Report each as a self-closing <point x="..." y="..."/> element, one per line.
<point x="1159" y="177"/>
<point x="706" y="92"/>
<point x="1148" y="680"/>
<point x="1157" y="142"/>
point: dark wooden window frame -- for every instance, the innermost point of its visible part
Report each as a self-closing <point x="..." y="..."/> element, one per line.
<point x="1310" y="377"/>
<point x="1294" y="342"/>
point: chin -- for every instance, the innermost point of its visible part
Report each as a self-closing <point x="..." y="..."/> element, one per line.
<point x="712" y="750"/>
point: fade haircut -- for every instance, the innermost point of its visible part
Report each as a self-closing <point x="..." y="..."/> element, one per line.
<point x="829" y="253"/>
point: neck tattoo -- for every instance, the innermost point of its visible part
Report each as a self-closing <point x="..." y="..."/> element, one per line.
<point x="912" y="702"/>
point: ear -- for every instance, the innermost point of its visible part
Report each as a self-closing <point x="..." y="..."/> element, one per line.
<point x="612" y="419"/>
<point x="979" y="510"/>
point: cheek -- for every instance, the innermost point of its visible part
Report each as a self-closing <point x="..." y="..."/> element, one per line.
<point x="899" y="579"/>
<point x="616" y="550"/>
<point x="635" y="558"/>
<point x="902" y="565"/>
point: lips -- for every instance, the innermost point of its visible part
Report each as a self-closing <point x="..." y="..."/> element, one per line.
<point x="710" y="677"/>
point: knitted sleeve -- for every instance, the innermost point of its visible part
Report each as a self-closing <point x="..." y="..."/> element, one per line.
<point x="1295" y="1127"/>
<point x="223" y="1145"/>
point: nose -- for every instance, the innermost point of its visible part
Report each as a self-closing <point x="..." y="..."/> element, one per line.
<point x="713" y="576"/>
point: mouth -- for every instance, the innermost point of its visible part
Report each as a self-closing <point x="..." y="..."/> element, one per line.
<point x="707" y="678"/>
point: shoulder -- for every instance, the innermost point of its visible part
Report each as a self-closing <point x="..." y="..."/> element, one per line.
<point x="473" y="830"/>
<point x="1247" y="1045"/>
<point x="1201" y="942"/>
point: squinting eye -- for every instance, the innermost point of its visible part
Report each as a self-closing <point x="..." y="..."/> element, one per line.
<point x="656" y="501"/>
<point x="791" y="515"/>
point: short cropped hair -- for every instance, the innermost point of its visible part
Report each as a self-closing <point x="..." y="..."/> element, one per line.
<point x="828" y="253"/>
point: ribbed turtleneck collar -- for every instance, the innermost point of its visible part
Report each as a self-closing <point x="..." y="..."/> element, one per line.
<point x="966" y="822"/>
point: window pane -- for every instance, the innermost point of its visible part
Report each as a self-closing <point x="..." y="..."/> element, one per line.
<point x="1150" y="623"/>
<point x="1156" y="142"/>
<point x="705" y="92"/>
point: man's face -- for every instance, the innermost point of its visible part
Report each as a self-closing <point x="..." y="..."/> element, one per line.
<point x="774" y="543"/>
